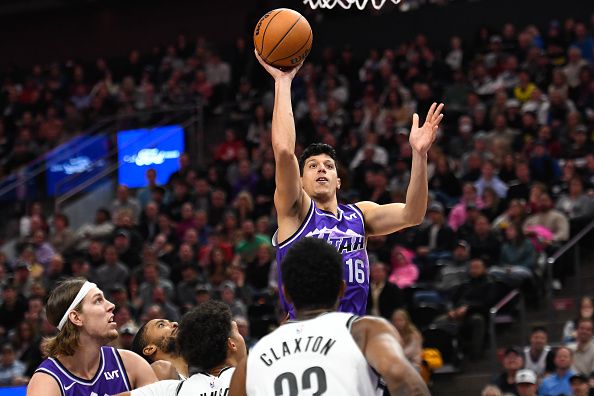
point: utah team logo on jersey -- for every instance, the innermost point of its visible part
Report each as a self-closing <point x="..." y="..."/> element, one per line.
<point x="344" y="241"/>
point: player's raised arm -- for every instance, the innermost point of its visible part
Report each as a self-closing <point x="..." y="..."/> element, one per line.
<point x="385" y="219"/>
<point x="380" y="344"/>
<point x="289" y="193"/>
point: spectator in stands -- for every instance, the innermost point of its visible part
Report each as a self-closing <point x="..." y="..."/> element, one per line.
<point x="513" y="361"/>
<point x="165" y="303"/>
<point x="412" y="340"/>
<point x="580" y="385"/>
<point x="492" y="204"/>
<point x="517" y="260"/>
<point x="61" y="236"/>
<point x="250" y="242"/>
<point x="404" y="273"/>
<point x="203" y="293"/>
<point x="101" y="228"/>
<point x="152" y="281"/>
<point x="548" y="217"/>
<point x="490" y="179"/>
<point x="227" y="292"/>
<point x="112" y="271"/>
<point x="543" y="167"/>
<point x="557" y="383"/>
<point x="576" y="205"/>
<point x="12" y="371"/>
<point x="457" y="215"/>
<point x="491" y="390"/>
<point x="526" y="383"/>
<point x="538" y="356"/>
<point x="148" y="228"/>
<point x="471" y="302"/>
<point x="583" y="348"/>
<point x="514" y="214"/>
<point x="144" y="195"/>
<point x="12" y="309"/>
<point x="257" y="271"/>
<point x="124" y="202"/>
<point x="445" y="184"/>
<point x="585" y="311"/>
<point x="484" y="242"/>
<point x="384" y="297"/>
<point x="434" y="241"/>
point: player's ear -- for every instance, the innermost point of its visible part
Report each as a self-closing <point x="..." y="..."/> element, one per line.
<point x="338" y="183"/>
<point x="231" y="345"/>
<point x="149" y="349"/>
<point x="75" y="318"/>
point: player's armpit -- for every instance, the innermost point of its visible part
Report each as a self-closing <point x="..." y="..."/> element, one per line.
<point x="385" y="219"/>
<point x="43" y="385"/>
<point x="237" y="386"/>
<point x="381" y="345"/>
<point x="139" y="371"/>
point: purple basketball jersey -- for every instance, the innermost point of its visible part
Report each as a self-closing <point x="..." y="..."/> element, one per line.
<point x="111" y="377"/>
<point x="346" y="232"/>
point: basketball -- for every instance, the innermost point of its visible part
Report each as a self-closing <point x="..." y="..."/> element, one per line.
<point x="283" y="38"/>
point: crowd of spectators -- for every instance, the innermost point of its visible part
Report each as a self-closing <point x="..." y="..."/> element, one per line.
<point x="511" y="177"/>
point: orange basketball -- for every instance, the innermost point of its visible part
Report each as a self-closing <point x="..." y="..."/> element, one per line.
<point x="283" y="38"/>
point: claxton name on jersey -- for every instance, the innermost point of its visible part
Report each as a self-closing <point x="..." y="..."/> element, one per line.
<point x="344" y="241"/>
<point x="298" y="345"/>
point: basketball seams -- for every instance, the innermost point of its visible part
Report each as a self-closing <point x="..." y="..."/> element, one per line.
<point x="265" y="29"/>
<point x="300" y="48"/>
<point x="281" y="39"/>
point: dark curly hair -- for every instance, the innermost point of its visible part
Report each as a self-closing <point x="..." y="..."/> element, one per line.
<point x="312" y="274"/>
<point x="203" y="333"/>
<point x="316" y="149"/>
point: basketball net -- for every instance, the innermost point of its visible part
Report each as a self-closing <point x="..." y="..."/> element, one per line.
<point x="346" y="4"/>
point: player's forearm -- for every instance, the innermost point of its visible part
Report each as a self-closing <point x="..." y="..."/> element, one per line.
<point x="418" y="189"/>
<point x="283" y="124"/>
<point x="409" y="388"/>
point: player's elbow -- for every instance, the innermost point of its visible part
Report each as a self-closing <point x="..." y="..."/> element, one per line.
<point x="283" y="152"/>
<point x="414" y="218"/>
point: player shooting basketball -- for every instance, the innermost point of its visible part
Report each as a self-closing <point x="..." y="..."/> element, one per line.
<point x="307" y="204"/>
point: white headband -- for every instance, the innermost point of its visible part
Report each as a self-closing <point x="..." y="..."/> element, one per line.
<point x="79" y="297"/>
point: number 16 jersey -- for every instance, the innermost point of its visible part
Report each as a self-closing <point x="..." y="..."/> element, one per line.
<point x="312" y="357"/>
<point x="346" y="232"/>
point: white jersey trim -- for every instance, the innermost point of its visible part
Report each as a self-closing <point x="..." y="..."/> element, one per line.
<point x="80" y="380"/>
<point x="54" y="376"/>
<point x="299" y="231"/>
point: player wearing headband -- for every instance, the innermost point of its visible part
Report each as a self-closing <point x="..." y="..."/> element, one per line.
<point x="78" y="360"/>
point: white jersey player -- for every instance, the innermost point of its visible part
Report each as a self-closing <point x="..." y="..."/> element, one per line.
<point x="211" y="344"/>
<point x="324" y="352"/>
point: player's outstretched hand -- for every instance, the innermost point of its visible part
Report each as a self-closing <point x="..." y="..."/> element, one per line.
<point x="421" y="138"/>
<point x="276" y="73"/>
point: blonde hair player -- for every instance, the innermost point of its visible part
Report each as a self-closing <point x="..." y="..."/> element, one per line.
<point x="78" y="360"/>
<point x="306" y="201"/>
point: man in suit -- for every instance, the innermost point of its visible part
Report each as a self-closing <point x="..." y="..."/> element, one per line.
<point x="384" y="297"/>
